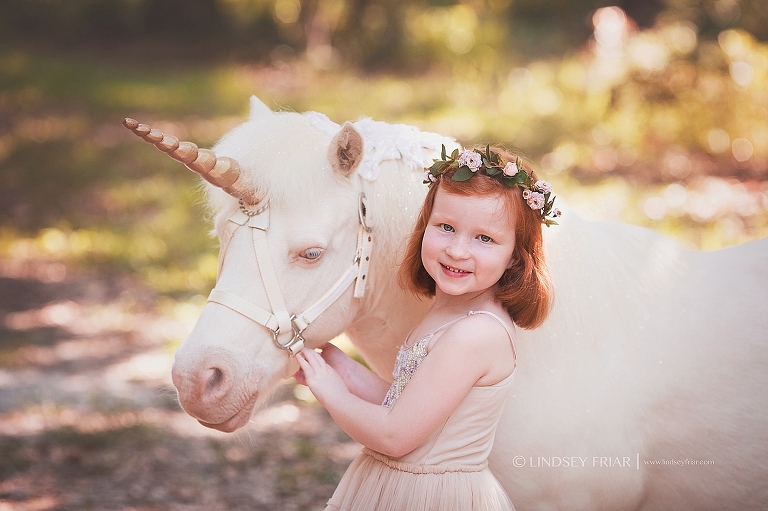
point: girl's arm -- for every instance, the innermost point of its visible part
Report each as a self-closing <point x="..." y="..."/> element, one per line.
<point x="464" y="353"/>
<point x="360" y="381"/>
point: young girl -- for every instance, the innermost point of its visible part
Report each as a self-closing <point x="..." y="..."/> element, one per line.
<point x="477" y="248"/>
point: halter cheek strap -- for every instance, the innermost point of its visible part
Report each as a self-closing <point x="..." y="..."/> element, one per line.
<point x="286" y="328"/>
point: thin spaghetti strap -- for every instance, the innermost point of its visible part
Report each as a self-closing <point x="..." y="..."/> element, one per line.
<point x="509" y="332"/>
<point x="433" y="332"/>
<point x="443" y="327"/>
<point x="489" y="313"/>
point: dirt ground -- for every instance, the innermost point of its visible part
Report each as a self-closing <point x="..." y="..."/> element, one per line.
<point x="89" y="417"/>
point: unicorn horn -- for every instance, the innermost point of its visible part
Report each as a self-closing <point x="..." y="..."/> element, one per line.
<point x="220" y="171"/>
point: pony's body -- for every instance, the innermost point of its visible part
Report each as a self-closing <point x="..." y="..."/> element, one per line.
<point x="651" y="352"/>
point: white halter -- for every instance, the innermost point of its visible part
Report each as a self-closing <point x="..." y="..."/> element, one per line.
<point x="287" y="328"/>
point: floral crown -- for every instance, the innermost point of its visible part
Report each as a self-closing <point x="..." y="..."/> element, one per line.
<point x="538" y="194"/>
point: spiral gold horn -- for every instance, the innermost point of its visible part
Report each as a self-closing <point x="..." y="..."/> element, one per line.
<point x="220" y="171"/>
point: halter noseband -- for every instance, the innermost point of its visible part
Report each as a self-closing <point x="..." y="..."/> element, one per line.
<point x="286" y="328"/>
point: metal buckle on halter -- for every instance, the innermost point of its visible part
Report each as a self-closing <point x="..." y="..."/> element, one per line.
<point x="275" y="334"/>
<point x="362" y="210"/>
<point x="296" y="343"/>
<point x="297" y="337"/>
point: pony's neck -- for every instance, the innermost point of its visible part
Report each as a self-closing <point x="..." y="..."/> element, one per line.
<point x="385" y="321"/>
<point x="388" y="312"/>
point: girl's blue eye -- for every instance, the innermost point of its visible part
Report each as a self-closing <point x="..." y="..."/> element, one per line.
<point x="484" y="238"/>
<point x="447" y="227"/>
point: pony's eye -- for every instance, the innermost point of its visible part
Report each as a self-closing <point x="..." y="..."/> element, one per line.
<point x="447" y="227"/>
<point x="312" y="253"/>
<point x="484" y="238"/>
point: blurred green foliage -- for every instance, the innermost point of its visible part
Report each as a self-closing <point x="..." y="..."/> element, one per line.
<point x="653" y="113"/>
<point x="371" y="33"/>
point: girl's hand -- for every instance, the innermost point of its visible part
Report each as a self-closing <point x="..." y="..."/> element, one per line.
<point x="358" y="379"/>
<point x="336" y="358"/>
<point x="321" y="378"/>
<point x="333" y="356"/>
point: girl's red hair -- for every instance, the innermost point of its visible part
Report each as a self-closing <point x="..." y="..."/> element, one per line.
<point x="525" y="289"/>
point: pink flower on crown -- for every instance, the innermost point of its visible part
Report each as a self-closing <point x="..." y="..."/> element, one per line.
<point x="471" y="159"/>
<point x="526" y="194"/>
<point x="536" y="200"/>
<point x="428" y="176"/>
<point x="543" y="186"/>
<point x="510" y="169"/>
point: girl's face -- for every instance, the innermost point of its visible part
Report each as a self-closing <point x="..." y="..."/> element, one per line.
<point x="468" y="242"/>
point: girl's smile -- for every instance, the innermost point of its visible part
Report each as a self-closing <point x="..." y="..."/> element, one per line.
<point x="453" y="272"/>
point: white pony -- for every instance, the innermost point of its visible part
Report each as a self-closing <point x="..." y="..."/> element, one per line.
<point x="645" y="389"/>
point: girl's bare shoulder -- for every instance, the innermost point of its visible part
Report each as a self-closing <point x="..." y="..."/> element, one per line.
<point x="480" y="331"/>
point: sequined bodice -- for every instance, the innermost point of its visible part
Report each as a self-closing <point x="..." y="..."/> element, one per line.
<point x="408" y="360"/>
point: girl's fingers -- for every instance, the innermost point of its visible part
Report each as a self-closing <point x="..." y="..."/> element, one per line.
<point x="312" y="357"/>
<point x="304" y="364"/>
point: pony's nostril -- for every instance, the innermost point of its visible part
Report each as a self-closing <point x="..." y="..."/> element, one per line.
<point x="217" y="384"/>
<point x="216" y="378"/>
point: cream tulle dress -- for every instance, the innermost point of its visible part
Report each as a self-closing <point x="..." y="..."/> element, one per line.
<point x="449" y="472"/>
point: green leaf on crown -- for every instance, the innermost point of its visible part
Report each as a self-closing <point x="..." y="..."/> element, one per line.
<point x="521" y="176"/>
<point x="463" y="174"/>
<point x="455" y="154"/>
<point x="443" y="153"/>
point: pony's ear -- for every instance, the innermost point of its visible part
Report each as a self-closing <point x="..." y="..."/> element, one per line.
<point x="258" y="108"/>
<point x="346" y="150"/>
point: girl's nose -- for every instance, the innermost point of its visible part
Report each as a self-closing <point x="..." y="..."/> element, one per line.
<point x="458" y="250"/>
